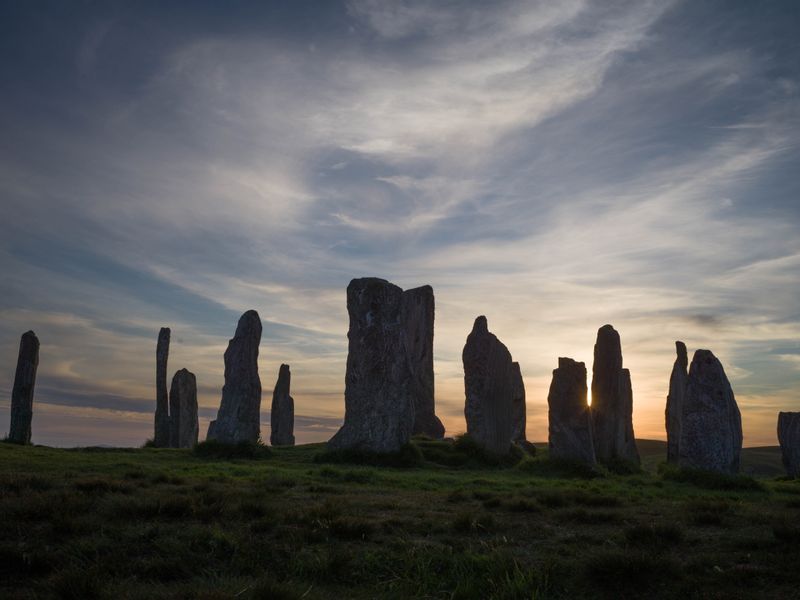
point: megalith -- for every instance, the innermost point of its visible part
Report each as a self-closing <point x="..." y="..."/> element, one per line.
<point x="569" y="415"/>
<point x="161" y="437"/>
<point x="489" y="389"/>
<point x="22" y="392"/>
<point x="378" y="396"/>
<point x="612" y="401"/>
<point x="417" y="316"/>
<point x="518" y="407"/>
<point x="282" y="411"/>
<point x="711" y="425"/>
<point x="183" y="424"/>
<point x="238" y="418"/>
<point x="672" y="414"/>
<point x="789" y="439"/>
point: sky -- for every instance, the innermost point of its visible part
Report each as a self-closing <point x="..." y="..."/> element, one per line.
<point x="554" y="166"/>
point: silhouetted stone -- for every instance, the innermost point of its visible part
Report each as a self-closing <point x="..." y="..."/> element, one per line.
<point x="282" y="412"/>
<point x="183" y="423"/>
<point x="569" y="416"/>
<point x="489" y="389"/>
<point x="612" y="401"/>
<point x="711" y="425"/>
<point x="379" y="405"/>
<point x="789" y="439"/>
<point x="518" y="407"/>
<point x="22" y="392"/>
<point x="418" y="315"/>
<point x="672" y="414"/>
<point x="162" y="427"/>
<point x="238" y="418"/>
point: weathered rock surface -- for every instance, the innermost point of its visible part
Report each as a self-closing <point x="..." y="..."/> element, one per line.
<point x="161" y="437"/>
<point x="518" y="406"/>
<point x="711" y="425"/>
<point x="183" y="423"/>
<point x="789" y="439"/>
<point x="379" y="403"/>
<point x="238" y="418"/>
<point x="22" y="392"/>
<point x="489" y="389"/>
<point x="570" y="419"/>
<point x="612" y="401"/>
<point x="282" y="412"/>
<point x="417" y="316"/>
<point x="672" y="414"/>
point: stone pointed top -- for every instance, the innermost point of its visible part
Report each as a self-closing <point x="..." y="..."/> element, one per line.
<point x="164" y="332"/>
<point x="249" y="321"/>
<point x="284" y="369"/>
<point x="568" y="363"/>
<point x="683" y="357"/>
<point x="707" y="366"/>
<point x="481" y="325"/>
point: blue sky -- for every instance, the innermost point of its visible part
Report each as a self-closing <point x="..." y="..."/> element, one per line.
<point x="554" y="166"/>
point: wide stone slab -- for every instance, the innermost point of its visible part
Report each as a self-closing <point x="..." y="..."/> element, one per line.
<point x="569" y="416"/>
<point x="711" y="425"/>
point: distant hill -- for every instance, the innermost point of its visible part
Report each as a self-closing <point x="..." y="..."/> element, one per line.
<point x="762" y="461"/>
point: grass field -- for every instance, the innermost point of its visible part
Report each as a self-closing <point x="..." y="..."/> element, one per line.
<point x="158" y="523"/>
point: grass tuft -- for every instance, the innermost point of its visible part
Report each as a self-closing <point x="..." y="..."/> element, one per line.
<point x="214" y="449"/>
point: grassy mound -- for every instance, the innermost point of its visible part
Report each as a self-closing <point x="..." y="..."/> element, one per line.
<point x="407" y="457"/>
<point x="243" y="449"/>
<point x="709" y="479"/>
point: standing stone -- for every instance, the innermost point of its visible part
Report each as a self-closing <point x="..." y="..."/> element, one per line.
<point x="162" y="427"/>
<point x="379" y="404"/>
<point x="570" y="419"/>
<point x="418" y="314"/>
<point x="612" y="401"/>
<point x="789" y="439"/>
<point x="22" y="392"/>
<point x="238" y="418"/>
<point x="711" y="425"/>
<point x="518" y="407"/>
<point x="672" y="414"/>
<point x="489" y="389"/>
<point x="183" y="423"/>
<point x="282" y="413"/>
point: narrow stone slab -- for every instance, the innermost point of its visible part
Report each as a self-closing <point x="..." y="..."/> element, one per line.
<point x="183" y="422"/>
<point x="418" y="316"/>
<point x="612" y="401"/>
<point x="569" y="416"/>
<point x="282" y="411"/>
<point x="238" y="418"/>
<point x="711" y="425"/>
<point x="672" y="414"/>
<point x="489" y="388"/>
<point x="518" y="406"/>
<point x="379" y="403"/>
<point x="789" y="439"/>
<point x="161" y="437"/>
<point x="22" y="392"/>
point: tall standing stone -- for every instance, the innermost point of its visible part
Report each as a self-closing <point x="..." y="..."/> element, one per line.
<point x="183" y="422"/>
<point x="238" y="418"/>
<point x="379" y="403"/>
<point x="711" y="425"/>
<point x="22" y="392"/>
<point x="612" y="401"/>
<point x="162" y="427"/>
<point x="518" y="406"/>
<point x="672" y="414"/>
<point x="489" y="389"/>
<point x="789" y="439"/>
<point x="282" y="412"/>
<point x="418" y="315"/>
<point x="569" y="416"/>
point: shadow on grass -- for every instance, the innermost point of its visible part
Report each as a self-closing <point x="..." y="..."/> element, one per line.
<point x="709" y="479"/>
